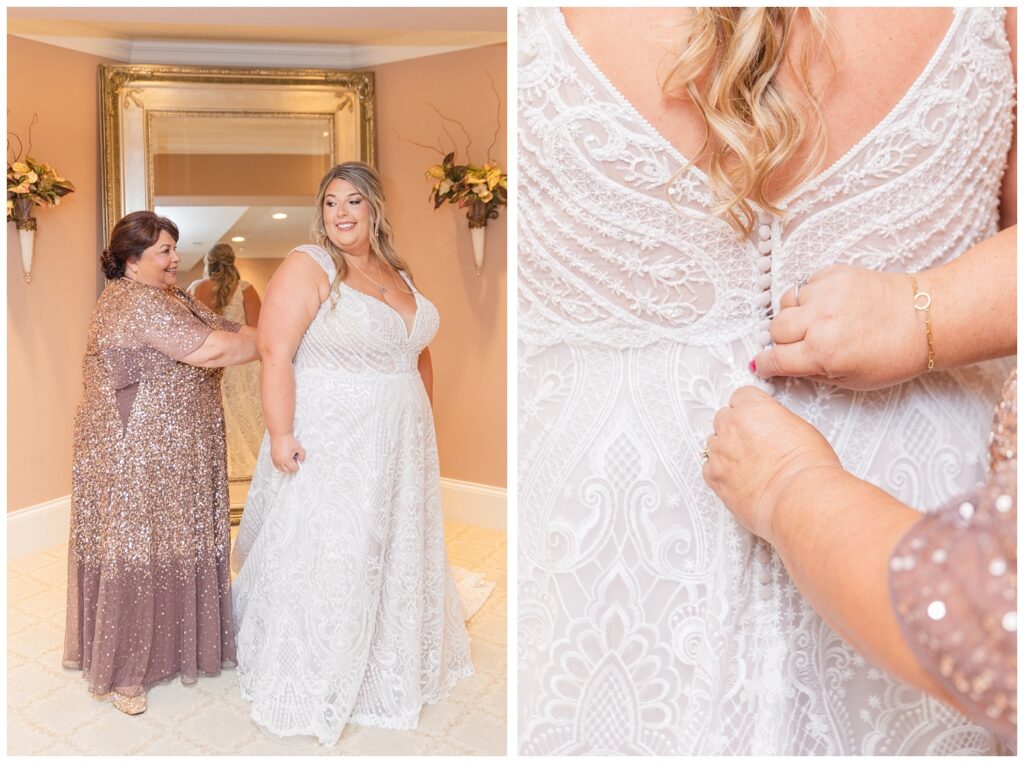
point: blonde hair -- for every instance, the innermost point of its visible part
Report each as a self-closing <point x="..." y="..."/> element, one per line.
<point x="365" y="180"/>
<point x="728" y="67"/>
<point x="220" y="268"/>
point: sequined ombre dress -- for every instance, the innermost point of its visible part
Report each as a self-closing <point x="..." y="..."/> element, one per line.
<point x="953" y="582"/>
<point x="148" y="568"/>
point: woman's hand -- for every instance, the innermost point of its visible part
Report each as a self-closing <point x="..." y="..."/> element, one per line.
<point x="286" y="453"/>
<point x="758" y="447"/>
<point x="853" y="327"/>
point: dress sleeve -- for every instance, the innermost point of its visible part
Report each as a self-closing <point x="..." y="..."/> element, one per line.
<point x="953" y="583"/>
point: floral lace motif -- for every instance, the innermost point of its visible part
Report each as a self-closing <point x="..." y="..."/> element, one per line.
<point x="649" y="621"/>
<point x="346" y="607"/>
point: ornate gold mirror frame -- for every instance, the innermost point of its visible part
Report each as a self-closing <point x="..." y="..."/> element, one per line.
<point x="130" y="95"/>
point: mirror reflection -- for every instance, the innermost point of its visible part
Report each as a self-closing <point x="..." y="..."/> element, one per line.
<point x="241" y="190"/>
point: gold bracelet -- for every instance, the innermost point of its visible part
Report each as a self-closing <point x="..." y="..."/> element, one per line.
<point x="923" y="302"/>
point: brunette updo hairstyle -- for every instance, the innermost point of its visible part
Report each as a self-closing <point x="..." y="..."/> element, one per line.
<point x="133" y="234"/>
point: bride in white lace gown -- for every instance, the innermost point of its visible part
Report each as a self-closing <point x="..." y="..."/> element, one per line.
<point x="240" y="387"/>
<point x="345" y="605"/>
<point x="649" y="621"/>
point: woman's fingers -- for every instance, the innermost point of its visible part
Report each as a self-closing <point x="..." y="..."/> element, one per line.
<point x="787" y="360"/>
<point x="790" y="325"/>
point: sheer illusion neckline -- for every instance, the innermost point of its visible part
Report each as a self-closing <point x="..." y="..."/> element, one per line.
<point x="805" y="185"/>
<point x="409" y="327"/>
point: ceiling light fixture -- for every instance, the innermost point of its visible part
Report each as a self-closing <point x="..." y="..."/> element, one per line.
<point x="279" y="215"/>
<point x="238" y="239"/>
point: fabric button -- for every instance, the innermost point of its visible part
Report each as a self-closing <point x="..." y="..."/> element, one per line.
<point x="763" y="337"/>
<point x="769" y="388"/>
<point x="764" y="264"/>
<point x="764" y="576"/>
<point x="764" y="246"/>
<point x="765" y="231"/>
<point x="762" y="555"/>
<point x="765" y="325"/>
<point x="764" y="282"/>
<point x="764" y="218"/>
<point x="765" y="593"/>
<point x="764" y="298"/>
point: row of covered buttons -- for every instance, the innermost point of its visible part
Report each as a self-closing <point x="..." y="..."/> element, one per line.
<point x="763" y="336"/>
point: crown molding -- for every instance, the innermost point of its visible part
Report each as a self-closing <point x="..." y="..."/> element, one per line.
<point x="286" y="55"/>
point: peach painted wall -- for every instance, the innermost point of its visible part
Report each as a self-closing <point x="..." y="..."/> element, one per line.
<point x="47" y="320"/>
<point x="469" y="350"/>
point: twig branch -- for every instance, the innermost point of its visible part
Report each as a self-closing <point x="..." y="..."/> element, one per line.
<point x="497" y="127"/>
<point x="21" y="146"/>
<point x="35" y="121"/>
<point x="438" y="149"/>
<point x="469" y="140"/>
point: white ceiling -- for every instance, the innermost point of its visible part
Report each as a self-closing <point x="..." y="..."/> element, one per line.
<point x="289" y="37"/>
<point x="200" y="227"/>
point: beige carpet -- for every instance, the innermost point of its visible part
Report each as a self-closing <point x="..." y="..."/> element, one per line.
<point x="49" y="710"/>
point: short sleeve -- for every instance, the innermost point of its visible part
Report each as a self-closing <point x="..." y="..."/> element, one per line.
<point x="953" y="583"/>
<point x="320" y="256"/>
<point x="163" y="321"/>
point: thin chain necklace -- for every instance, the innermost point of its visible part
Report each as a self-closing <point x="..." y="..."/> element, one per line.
<point x="381" y="286"/>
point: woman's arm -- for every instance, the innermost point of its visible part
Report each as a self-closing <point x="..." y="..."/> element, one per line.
<point x="251" y="304"/>
<point x="426" y="370"/>
<point x="293" y="297"/>
<point x="223" y="348"/>
<point x="859" y="329"/>
<point x="834" y="533"/>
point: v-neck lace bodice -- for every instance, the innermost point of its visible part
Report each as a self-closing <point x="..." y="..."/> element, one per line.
<point x="357" y="332"/>
<point x="649" y="621"/>
<point x="621" y="251"/>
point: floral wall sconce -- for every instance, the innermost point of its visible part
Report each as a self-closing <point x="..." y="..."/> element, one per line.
<point x="30" y="183"/>
<point x="481" y="189"/>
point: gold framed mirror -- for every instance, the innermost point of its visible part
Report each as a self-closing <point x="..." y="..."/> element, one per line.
<point x="234" y="156"/>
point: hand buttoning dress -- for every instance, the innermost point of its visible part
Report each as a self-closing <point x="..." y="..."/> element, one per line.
<point x="649" y="621"/>
<point x="346" y="607"/>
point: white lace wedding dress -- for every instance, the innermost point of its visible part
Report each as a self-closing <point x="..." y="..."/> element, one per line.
<point x="240" y="391"/>
<point x="649" y="621"/>
<point x="345" y="607"/>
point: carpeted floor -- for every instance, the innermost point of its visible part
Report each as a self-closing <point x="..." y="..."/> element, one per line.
<point x="49" y="710"/>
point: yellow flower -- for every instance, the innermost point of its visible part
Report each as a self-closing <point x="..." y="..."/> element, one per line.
<point x="483" y="192"/>
<point x="20" y="167"/>
<point x="32" y="177"/>
<point x="435" y="171"/>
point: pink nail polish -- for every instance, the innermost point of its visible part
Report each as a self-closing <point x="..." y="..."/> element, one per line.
<point x="753" y="366"/>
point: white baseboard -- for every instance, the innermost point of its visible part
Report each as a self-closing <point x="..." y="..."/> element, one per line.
<point x="46" y="524"/>
<point x="38" y="527"/>
<point x="474" y="504"/>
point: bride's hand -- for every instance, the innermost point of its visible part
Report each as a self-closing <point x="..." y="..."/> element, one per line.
<point x="286" y="453"/>
<point x="853" y="327"/>
<point x="758" y="446"/>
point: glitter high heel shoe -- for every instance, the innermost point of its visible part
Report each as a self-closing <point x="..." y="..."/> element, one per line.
<point x="129" y="705"/>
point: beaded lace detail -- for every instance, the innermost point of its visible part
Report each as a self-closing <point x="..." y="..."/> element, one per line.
<point x="650" y="622"/>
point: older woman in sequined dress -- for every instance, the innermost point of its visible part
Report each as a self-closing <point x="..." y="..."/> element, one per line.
<point x="148" y="569"/>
